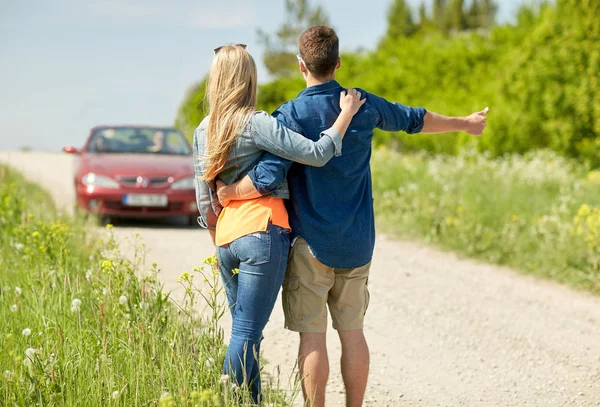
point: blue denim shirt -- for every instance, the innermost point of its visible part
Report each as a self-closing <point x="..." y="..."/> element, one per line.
<point x="262" y="133"/>
<point x="332" y="206"/>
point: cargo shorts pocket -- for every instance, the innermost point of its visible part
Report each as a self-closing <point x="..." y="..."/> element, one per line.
<point x="367" y="296"/>
<point x="292" y="300"/>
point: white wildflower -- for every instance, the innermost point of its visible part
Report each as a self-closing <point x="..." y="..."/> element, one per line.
<point x="8" y="375"/>
<point x="26" y="332"/>
<point x="88" y="274"/>
<point x="104" y="291"/>
<point x="18" y="290"/>
<point x="18" y="246"/>
<point x="224" y="379"/>
<point x="76" y="305"/>
<point x="123" y="300"/>
<point x="165" y="395"/>
<point x="144" y="305"/>
<point x="14" y="308"/>
<point x="115" y="394"/>
<point x="29" y="352"/>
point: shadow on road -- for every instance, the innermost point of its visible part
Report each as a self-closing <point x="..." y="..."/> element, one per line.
<point x="153" y="223"/>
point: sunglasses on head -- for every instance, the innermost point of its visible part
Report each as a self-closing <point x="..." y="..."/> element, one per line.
<point x="243" y="46"/>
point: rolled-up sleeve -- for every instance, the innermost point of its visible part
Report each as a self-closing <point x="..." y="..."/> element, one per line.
<point x="270" y="135"/>
<point x="269" y="173"/>
<point x="208" y="217"/>
<point x="397" y="117"/>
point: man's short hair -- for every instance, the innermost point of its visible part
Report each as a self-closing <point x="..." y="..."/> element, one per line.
<point x="320" y="50"/>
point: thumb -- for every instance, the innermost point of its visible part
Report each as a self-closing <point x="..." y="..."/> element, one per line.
<point x="485" y="111"/>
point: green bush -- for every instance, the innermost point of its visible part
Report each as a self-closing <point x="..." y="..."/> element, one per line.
<point x="538" y="213"/>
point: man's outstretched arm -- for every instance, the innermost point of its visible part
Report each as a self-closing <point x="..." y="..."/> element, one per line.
<point x="412" y="120"/>
<point x="472" y="124"/>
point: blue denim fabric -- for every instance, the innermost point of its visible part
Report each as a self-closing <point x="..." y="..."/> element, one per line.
<point x="262" y="133"/>
<point x="261" y="258"/>
<point x="332" y="206"/>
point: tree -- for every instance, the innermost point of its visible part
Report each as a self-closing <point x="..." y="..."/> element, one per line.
<point x="192" y="110"/>
<point x="481" y="14"/>
<point x="400" y="21"/>
<point x="457" y="15"/>
<point x="439" y="15"/>
<point x="282" y="46"/>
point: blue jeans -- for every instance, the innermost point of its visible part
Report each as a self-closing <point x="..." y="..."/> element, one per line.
<point x="261" y="258"/>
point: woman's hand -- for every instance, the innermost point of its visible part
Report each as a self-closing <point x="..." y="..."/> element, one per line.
<point x="350" y="101"/>
<point x="223" y="193"/>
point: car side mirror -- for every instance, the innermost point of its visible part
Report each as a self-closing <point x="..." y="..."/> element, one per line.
<point x="70" y="150"/>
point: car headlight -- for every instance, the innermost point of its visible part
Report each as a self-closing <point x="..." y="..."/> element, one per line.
<point x="185" y="183"/>
<point x="100" y="181"/>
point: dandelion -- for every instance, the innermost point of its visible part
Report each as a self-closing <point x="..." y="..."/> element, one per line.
<point x="14" y="308"/>
<point x="224" y="379"/>
<point x="144" y="305"/>
<point x="26" y="332"/>
<point x="76" y="305"/>
<point x="104" y="291"/>
<point x="8" y="375"/>
<point x="88" y="274"/>
<point x="18" y="246"/>
<point x="18" y="290"/>
<point x="29" y="352"/>
<point x="115" y="394"/>
<point x="123" y="300"/>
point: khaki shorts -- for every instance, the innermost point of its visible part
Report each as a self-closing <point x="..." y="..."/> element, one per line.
<point x="310" y="285"/>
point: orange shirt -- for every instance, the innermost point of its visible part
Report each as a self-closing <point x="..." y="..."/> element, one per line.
<point x="241" y="218"/>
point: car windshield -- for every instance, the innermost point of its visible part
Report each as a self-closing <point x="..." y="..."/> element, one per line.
<point x="138" y="140"/>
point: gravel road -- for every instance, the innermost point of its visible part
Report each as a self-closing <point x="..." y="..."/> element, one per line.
<point x="443" y="331"/>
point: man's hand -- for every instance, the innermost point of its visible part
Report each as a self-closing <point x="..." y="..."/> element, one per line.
<point x="475" y="123"/>
<point x="223" y="193"/>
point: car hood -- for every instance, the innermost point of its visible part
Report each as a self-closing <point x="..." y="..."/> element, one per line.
<point x="138" y="165"/>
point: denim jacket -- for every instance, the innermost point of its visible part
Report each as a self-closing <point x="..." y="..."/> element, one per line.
<point x="262" y="133"/>
<point x="332" y="207"/>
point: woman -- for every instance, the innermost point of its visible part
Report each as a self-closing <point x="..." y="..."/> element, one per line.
<point x="253" y="235"/>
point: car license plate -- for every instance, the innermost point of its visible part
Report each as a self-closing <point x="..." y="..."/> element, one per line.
<point x="155" y="200"/>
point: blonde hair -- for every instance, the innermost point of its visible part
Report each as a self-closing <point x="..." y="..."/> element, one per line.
<point x="231" y="96"/>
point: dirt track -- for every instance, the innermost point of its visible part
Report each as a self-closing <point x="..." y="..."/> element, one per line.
<point x="442" y="331"/>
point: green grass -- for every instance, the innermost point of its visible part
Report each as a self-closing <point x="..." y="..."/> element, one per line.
<point x="535" y="213"/>
<point x="78" y="327"/>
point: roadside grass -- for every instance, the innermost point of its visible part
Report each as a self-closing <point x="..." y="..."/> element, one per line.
<point x="538" y="213"/>
<point x="80" y="327"/>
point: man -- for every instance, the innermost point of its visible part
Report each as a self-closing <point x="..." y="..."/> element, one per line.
<point x="331" y="214"/>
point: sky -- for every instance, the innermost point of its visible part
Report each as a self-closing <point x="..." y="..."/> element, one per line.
<point x="68" y="65"/>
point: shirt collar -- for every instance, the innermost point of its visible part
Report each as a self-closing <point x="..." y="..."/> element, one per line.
<point x="321" y="88"/>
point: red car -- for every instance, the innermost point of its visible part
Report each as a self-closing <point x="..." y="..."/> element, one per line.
<point x="136" y="172"/>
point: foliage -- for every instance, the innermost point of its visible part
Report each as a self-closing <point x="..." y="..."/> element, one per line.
<point x="79" y="327"/>
<point x="282" y="46"/>
<point x="538" y="76"/>
<point x="192" y="110"/>
<point x="539" y="213"/>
